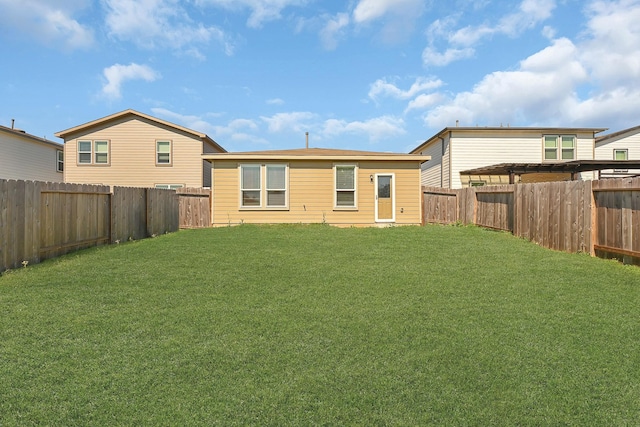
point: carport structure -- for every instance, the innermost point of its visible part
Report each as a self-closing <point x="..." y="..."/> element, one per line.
<point x="573" y="168"/>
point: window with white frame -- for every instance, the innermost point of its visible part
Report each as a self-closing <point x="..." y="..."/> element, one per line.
<point x="84" y="152"/>
<point x="101" y="152"/>
<point x="559" y="147"/>
<point x="60" y="160"/>
<point x="250" y="186"/>
<point x="620" y="154"/>
<point x="276" y="185"/>
<point x="266" y="183"/>
<point x="163" y="152"/>
<point x="93" y="152"/>
<point x="169" y="186"/>
<point x="345" y="186"/>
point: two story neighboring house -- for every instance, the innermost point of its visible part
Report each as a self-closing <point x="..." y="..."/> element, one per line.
<point x="455" y="151"/>
<point x="28" y="157"/>
<point x="133" y="149"/>
<point x="619" y="146"/>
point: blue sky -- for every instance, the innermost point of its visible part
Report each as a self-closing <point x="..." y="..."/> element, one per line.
<point x="380" y="75"/>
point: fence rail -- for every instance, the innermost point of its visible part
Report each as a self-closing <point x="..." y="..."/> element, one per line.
<point x="599" y="217"/>
<point x="40" y="220"/>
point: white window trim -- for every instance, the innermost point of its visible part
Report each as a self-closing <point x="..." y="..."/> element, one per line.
<point x="170" y="163"/>
<point x="93" y="152"/>
<point x="90" y="152"/>
<point x="336" y="190"/>
<point x="625" y="150"/>
<point x="168" y="186"/>
<point x="285" y="189"/>
<point x="558" y="148"/>
<point x="59" y="161"/>
<point x="263" y="187"/>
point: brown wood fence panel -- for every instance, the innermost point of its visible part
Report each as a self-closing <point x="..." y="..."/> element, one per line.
<point x="40" y="220"/>
<point x="556" y="215"/>
<point x="72" y="216"/>
<point x="617" y="205"/>
<point x="194" y="207"/>
<point x="440" y="206"/>
<point x="495" y="207"/>
<point x="162" y="211"/>
<point x="128" y="214"/>
<point x="19" y="232"/>
<point x="467" y="206"/>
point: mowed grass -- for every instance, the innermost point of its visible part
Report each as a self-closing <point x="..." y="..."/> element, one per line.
<point x="314" y="325"/>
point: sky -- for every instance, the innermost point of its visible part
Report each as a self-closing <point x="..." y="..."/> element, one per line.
<point x="375" y="75"/>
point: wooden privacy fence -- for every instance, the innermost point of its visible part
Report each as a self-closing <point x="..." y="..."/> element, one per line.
<point x="40" y="220"/>
<point x="599" y="217"/>
<point x="195" y="208"/>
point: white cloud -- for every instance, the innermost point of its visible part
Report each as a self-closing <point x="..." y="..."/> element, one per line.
<point x="48" y="22"/>
<point x="424" y="101"/>
<point x="540" y="90"/>
<point x="460" y="42"/>
<point x="261" y="10"/>
<point x="160" y="23"/>
<point x="290" y="122"/>
<point x="275" y="101"/>
<point x="376" y="129"/>
<point x="370" y="10"/>
<point x="590" y="82"/>
<point x="382" y="87"/>
<point x="117" y="74"/>
<point x="431" y="57"/>
<point x="398" y="16"/>
<point x="333" y="30"/>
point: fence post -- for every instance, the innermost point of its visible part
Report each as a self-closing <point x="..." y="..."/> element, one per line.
<point x="593" y="217"/>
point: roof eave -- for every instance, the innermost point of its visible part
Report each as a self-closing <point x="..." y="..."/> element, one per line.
<point x="260" y="157"/>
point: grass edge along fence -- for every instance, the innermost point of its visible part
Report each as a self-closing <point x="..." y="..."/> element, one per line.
<point x="600" y="217"/>
<point x="40" y="220"/>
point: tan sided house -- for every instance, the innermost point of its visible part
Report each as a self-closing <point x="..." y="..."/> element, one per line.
<point x="315" y="185"/>
<point x="133" y="149"/>
<point x="28" y="157"/>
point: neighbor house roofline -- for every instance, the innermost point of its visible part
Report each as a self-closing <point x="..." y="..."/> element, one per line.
<point x="316" y="154"/>
<point x="503" y="129"/>
<point x="204" y="137"/>
<point x="23" y="134"/>
<point x="616" y="134"/>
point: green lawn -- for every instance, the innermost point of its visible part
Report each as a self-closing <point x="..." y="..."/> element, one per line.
<point x="308" y="325"/>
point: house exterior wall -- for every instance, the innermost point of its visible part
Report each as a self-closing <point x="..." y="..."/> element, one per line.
<point x="28" y="159"/>
<point x="311" y="194"/>
<point x="627" y="141"/>
<point x="435" y="172"/>
<point x="470" y="151"/>
<point x="132" y="156"/>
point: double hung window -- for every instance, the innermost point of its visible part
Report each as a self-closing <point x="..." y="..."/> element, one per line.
<point x="559" y="147"/>
<point x="345" y="186"/>
<point x="60" y="161"/>
<point x="93" y="152"/>
<point x="163" y="152"/>
<point x="263" y="186"/>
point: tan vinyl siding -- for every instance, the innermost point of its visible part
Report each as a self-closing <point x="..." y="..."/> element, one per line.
<point x="25" y="158"/>
<point x="311" y="194"/>
<point x="132" y="158"/>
